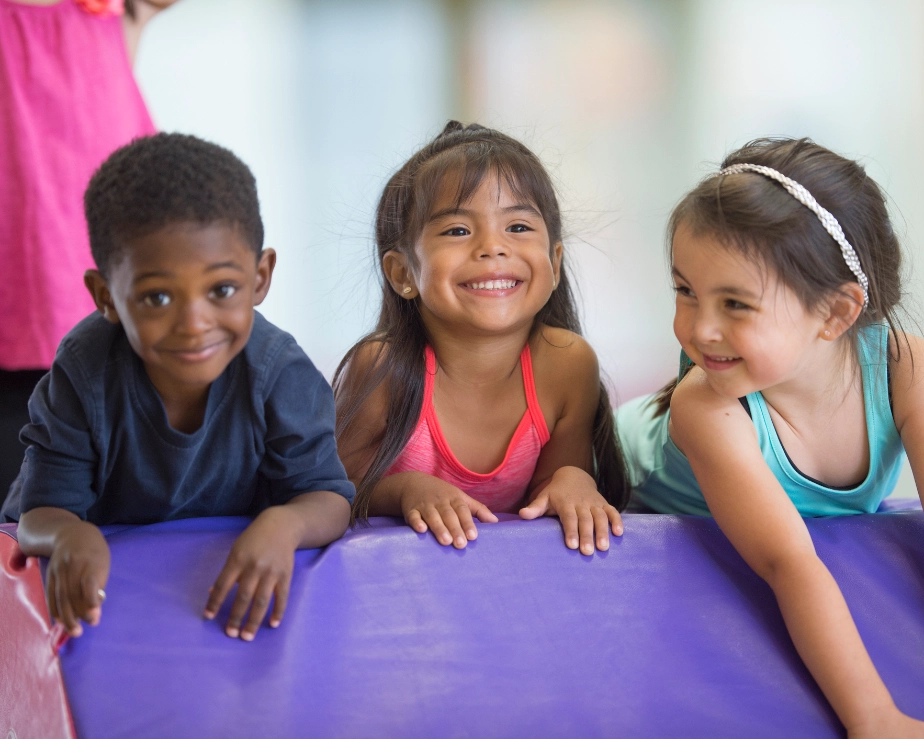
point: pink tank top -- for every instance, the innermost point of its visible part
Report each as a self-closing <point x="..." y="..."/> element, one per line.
<point x="502" y="490"/>
<point x="67" y="100"/>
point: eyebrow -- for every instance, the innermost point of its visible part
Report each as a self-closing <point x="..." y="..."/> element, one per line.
<point x="723" y="290"/>
<point x="164" y="273"/>
<point x="518" y="208"/>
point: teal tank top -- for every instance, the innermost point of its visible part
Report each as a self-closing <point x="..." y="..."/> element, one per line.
<point x="663" y="480"/>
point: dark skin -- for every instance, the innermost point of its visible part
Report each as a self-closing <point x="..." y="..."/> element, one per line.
<point x="185" y="296"/>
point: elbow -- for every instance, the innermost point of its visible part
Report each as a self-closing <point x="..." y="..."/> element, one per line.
<point x="787" y="565"/>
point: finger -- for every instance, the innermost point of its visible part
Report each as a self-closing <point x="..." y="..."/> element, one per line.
<point x="246" y="587"/>
<point x="416" y="522"/>
<point x="435" y="522"/>
<point x="51" y="595"/>
<point x="586" y="531"/>
<point x="539" y="507"/>
<point x="219" y="591"/>
<point x="615" y="520"/>
<point x="466" y="522"/>
<point x="90" y="589"/>
<point x="65" y="609"/>
<point x="261" y="600"/>
<point x="601" y="528"/>
<point x="569" y="525"/>
<point x="453" y="525"/>
<point x="282" y="600"/>
<point x="481" y="511"/>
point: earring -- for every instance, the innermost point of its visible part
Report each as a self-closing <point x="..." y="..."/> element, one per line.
<point x="827" y="333"/>
<point x="406" y="291"/>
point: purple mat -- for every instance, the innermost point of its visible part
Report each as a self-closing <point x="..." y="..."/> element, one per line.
<point x="389" y="634"/>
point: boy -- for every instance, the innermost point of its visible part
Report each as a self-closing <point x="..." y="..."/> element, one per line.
<point x="177" y="399"/>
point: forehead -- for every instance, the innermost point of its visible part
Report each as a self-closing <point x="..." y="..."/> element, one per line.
<point x="704" y="258"/>
<point x="182" y="247"/>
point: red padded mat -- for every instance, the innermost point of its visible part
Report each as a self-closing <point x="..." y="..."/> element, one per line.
<point x="32" y="698"/>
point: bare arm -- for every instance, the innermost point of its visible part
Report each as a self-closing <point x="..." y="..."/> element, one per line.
<point x="568" y="384"/>
<point x="133" y="24"/>
<point x="78" y="566"/>
<point x="908" y="405"/>
<point x="764" y="526"/>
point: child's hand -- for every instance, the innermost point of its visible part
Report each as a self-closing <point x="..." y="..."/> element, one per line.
<point x="78" y="569"/>
<point x="444" y="509"/>
<point x="260" y="563"/>
<point x="572" y="495"/>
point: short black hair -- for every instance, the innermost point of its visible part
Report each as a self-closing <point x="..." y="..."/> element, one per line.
<point x="168" y="178"/>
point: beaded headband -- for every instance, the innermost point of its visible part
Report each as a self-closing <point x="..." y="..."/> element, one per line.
<point x="827" y="219"/>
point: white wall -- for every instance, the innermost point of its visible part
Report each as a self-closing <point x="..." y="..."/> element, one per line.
<point x="628" y="102"/>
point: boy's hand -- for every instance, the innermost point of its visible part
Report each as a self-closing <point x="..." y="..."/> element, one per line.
<point x="260" y="563"/>
<point x="444" y="509"/>
<point x="572" y="495"/>
<point x="78" y="569"/>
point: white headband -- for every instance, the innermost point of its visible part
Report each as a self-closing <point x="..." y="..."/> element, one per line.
<point x="827" y="219"/>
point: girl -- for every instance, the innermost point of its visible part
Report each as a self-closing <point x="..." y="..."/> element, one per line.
<point x="68" y="99"/>
<point x="476" y="393"/>
<point x="796" y="392"/>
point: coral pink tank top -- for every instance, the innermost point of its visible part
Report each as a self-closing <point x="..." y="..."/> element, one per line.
<point x="501" y="490"/>
<point x="67" y="100"/>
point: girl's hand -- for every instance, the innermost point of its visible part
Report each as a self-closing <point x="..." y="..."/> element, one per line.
<point x="428" y="502"/>
<point x="572" y="495"/>
<point x="260" y="564"/>
<point x="78" y="570"/>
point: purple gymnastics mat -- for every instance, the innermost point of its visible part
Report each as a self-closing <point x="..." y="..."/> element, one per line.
<point x="389" y="634"/>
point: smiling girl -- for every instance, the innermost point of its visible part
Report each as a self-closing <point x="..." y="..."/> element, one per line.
<point x="797" y="390"/>
<point x="476" y="394"/>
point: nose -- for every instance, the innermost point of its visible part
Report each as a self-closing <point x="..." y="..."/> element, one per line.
<point x="490" y="245"/>
<point x="194" y="317"/>
<point x="706" y="327"/>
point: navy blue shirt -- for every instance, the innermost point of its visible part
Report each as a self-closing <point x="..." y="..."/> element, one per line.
<point x="100" y="444"/>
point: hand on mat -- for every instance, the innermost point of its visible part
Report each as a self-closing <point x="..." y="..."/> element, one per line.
<point x="260" y="564"/>
<point x="572" y="495"/>
<point x="444" y="509"/>
<point x="76" y="577"/>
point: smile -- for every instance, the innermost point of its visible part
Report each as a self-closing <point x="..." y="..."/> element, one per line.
<point x="492" y="285"/>
<point x="193" y="356"/>
<point x="713" y="362"/>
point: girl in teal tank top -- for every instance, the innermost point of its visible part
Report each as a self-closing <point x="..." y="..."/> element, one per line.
<point x="797" y="394"/>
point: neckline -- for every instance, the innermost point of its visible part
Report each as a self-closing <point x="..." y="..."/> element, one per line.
<point x="529" y="418"/>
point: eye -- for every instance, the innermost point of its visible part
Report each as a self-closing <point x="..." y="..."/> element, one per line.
<point x="223" y="292"/>
<point x="736" y="305"/>
<point x="156" y="300"/>
<point x="519" y="228"/>
<point x="683" y="290"/>
<point x="456" y="231"/>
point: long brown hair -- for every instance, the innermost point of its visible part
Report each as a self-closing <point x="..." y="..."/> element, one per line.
<point x="472" y="153"/>
<point x="754" y="216"/>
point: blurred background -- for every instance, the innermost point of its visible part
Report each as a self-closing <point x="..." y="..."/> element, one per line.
<point x="628" y="103"/>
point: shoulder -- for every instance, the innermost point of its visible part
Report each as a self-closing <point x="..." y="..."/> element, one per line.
<point x="269" y="347"/>
<point x="90" y="346"/>
<point x="700" y="415"/>
<point x="559" y="355"/>
<point x="906" y="375"/>
<point x="357" y="372"/>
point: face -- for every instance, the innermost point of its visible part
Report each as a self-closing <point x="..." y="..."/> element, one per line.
<point x="483" y="267"/>
<point x="185" y="296"/>
<point x="740" y="324"/>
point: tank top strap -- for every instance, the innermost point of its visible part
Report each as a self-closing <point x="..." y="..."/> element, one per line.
<point x="429" y="375"/>
<point x="532" y="400"/>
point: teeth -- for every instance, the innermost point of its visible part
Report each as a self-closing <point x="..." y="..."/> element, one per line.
<point x="493" y="285"/>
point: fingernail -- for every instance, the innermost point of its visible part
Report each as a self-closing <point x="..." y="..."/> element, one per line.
<point x="572" y="543"/>
<point x="78" y="631"/>
<point x="619" y="530"/>
<point x="472" y="534"/>
<point x="274" y="623"/>
<point x="603" y="545"/>
<point x="233" y="633"/>
<point x="587" y="549"/>
<point x="247" y="636"/>
<point x="209" y="614"/>
<point x="461" y="541"/>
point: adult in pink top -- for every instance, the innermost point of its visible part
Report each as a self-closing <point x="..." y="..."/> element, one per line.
<point x="67" y="100"/>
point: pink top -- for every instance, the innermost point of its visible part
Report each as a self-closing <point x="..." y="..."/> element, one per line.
<point x="67" y="100"/>
<point x="503" y="489"/>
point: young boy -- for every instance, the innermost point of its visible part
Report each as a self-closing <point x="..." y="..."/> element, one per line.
<point x="177" y="399"/>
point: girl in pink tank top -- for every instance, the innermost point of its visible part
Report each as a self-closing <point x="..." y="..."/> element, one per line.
<point x="476" y="393"/>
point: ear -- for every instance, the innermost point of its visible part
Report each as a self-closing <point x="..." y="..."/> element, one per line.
<point x="398" y="273"/>
<point x="557" y="252"/>
<point x="265" y="266"/>
<point x="99" y="291"/>
<point x="843" y="310"/>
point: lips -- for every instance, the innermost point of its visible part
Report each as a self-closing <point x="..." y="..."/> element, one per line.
<point x="197" y="354"/>
<point x="720" y="363"/>
<point x="493" y="284"/>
